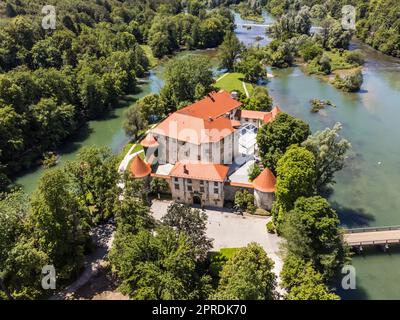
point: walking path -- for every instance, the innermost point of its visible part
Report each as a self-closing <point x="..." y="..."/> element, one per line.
<point x="223" y="76"/>
<point x="245" y="89"/>
<point x="102" y="236"/>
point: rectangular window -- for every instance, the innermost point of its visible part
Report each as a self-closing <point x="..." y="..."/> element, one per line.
<point x="216" y="191"/>
<point x="190" y="188"/>
<point x="201" y="182"/>
<point x="189" y="181"/>
<point x="201" y="189"/>
<point x="176" y="186"/>
<point x="215" y="184"/>
<point x="176" y="179"/>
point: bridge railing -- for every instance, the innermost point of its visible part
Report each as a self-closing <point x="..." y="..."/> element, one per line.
<point x="372" y="229"/>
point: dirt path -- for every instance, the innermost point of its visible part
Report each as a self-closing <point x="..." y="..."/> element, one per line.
<point x="103" y="236"/>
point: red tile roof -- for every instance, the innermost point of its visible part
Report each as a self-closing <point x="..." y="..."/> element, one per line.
<point x="200" y="171"/>
<point x="215" y="105"/>
<point x="139" y="168"/>
<point x="149" y="141"/>
<point x="201" y="122"/>
<point x="194" y="130"/>
<point x="250" y="114"/>
<point x="260" y="115"/>
<point x="265" y="182"/>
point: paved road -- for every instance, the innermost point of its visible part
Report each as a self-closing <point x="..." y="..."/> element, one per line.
<point x="232" y="231"/>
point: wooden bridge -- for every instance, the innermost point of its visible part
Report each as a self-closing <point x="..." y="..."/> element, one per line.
<point x="372" y="236"/>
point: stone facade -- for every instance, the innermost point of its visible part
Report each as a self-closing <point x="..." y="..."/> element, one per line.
<point x="201" y="192"/>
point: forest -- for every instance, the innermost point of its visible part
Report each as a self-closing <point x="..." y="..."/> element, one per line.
<point x="53" y="81"/>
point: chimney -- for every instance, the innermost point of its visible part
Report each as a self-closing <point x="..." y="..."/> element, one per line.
<point x="185" y="169"/>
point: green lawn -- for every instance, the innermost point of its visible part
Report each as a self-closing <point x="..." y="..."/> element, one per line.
<point x="218" y="259"/>
<point x="233" y="82"/>
<point x="338" y="62"/>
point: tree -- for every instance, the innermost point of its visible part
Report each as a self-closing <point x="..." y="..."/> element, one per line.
<point x="247" y="275"/>
<point x="194" y="7"/>
<point x="312" y="233"/>
<point x="244" y="201"/>
<point x="251" y="65"/>
<point x="59" y="223"/>
<point x="254" y="171"/>
<point x="182" y="77"/>
<point x="329" y="152"/>
<point x="302" y="282"/>
<point x="132" y="215"/>
<point x="193" y="223"/>
<point x="151" y="107"/>
<point x="349" y="83"/>
<point x="157" y="265"/>
<point x="134" y="122"/>
<point x="13" y="212"/>
<point x="311" y="51"/>
<point x="229" y="51"/>
<point x="325" y="64"/>
<point x="302" y="21"/>
<point x="158" y="186"/>
<point x="296" y="178"/>
<point x="95" y="177"/>
<point x="275" y="137"/>
<point x="259" y="100"/>
<point x="52" y="122"/>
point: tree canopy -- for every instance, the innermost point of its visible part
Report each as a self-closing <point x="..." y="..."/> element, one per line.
<point x="247" y="276"/>
<point x="275" y="137"/>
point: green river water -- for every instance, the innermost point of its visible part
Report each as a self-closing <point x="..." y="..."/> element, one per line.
<point x="367" y="192"/>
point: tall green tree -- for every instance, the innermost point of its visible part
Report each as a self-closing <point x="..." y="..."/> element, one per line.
<point x="312" y="231"/>
<point x="134" y="121"/>
<point x="296" y="178"/>
<point x="274" y="138"/>
<point x="95" y="175"/>
<point x="229" y="51"/>
<point x="329" y="152"/>
<point x="302" y="282"/>
<point x="159" y="265"/>
<point x="182" y="77"/>
<point x="193" y="223"/>
<point x="247" y="275"/>
<point x="59" y="223"/>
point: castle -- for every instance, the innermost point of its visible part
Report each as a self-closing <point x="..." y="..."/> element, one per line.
<point x="204" y="151"/>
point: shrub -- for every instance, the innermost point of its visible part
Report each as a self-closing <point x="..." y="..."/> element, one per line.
<point x="270" y="227"/>
<point x="355" y="57"/>
<point x="254" y="171"/>
<point x="244" y="201"/>
<point x="349" y="83"/>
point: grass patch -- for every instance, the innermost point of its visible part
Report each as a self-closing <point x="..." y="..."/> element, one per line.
<point x="219" y="258"/>
<point x="338" y="62"/>
<point x="233" y="82"/>
<point x="149" y="53"/>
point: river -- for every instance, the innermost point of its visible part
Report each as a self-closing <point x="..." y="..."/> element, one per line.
<point x="367" y="190"/>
